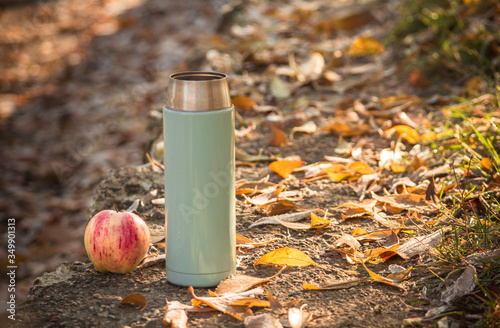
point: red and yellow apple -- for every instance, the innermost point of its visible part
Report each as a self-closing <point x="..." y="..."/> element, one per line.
<point x="116" y="241"/>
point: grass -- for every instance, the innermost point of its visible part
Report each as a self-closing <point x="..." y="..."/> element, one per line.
<point x="452" y="37"/>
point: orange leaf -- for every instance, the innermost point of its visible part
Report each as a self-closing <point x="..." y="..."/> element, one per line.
<point x="286" y="256"/>
<point x="343" y="129"/>
<point x="365" y="46"/>
<point x="284" y="167"/>
<point x="239" y="283"/>
<point x="486" y="163"/>
<point x="243" y="102"/>
<point x="361" y="168"/>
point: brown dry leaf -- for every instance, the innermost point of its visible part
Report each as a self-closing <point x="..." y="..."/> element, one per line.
<point x="412" y="202"/>
<point x="240" y="239"/>
<point x="289" y="217"/>
<point x="136" y="298"/>
<point x="276" y="306"/>
<point x="175" y="316"/>
<point x="294" y="225"/>
<point x="284" y="167"/>
<point x="419" y="245"/>
<point x="417" y="79"/>
<point x="406" y="132"/>
<point x="347" y="240"/>
<point x="239" y="283"/>
<point x="264" y="320"/>
<point x="277" y="138"/>
<point x="243" y="102"/>
<point x="382" y="252"/>
<point x="351" y="255"/>
<point x="279" y="207"/>
<point x="365" y="46"/>
<point x="298" y="318"/>
<point x="223" y="303"/>
<point x="152" y="260"/>
<point x="286" y="256"/>
<point x="334" y="285"/>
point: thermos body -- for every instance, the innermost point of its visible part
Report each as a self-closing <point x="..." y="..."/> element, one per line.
<point x="199" y="190"/>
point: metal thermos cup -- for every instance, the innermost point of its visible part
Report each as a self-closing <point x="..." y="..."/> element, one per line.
<point x="198" y="125"/>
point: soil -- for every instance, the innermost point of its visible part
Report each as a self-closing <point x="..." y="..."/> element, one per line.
<point x="76" y="295"/>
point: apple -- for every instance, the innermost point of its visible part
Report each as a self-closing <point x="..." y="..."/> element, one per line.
<point x="116" y="241"/>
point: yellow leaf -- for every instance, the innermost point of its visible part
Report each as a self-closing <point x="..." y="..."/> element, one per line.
<point x="137" y="299"/>
<point x="361" y="168"/>
<point x="284" y="167"/>
<point x="429" y="136"/>
<point x="317" y="222"/>
<point x="358" y="231"/>
<point x="337" y="177"/>
<point x="307" y="285"/>
<point x="346" y="130"/>
<point x="365" y="46"/>
<point x="373" y="274"/>
<point x="243" y="102"/>
<point x="286" y="256"/>
<point x="406" y="132"/>
<point x="397" y="168"/>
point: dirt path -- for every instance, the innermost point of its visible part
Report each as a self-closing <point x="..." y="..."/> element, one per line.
<point x="92" y="105"/>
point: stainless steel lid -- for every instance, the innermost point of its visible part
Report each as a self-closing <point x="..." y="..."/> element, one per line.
<point x="198" y="91"/>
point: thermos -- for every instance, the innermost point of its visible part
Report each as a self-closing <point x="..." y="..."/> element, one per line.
<point x="198" y="125"/>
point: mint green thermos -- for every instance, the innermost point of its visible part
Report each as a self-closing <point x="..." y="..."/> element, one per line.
<point x="198" y="128"/>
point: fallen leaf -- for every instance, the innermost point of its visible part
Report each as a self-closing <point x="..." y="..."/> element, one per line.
<point x="419" y="245"/>
<point x="136" y="298"/>
<point x="243" y="102"/>
<point x="289" y="217"/>
<point x="463" y="286"/>
<point x="311" y="69"/>
<point x="277" y="138"/>
<point x="278" y="88"/>
<point x="279" y="207"/>
<point x="319" y="223"/>
<point x="152" y="260"/>
<point x="378" y="278"/>
<point x="254" y="187"/>
<point x="242" y="241"/>
<point x="264" y="198"/>
<point x="286" y="256"/>
<point x="365" y="46"/>
<point x="346" y="130"/>
<point x="334" y="285"/>
<point x="399" y="276"/>
<point x="309" y="127"/>
<point x="264" y="320"/>
<point x="175" y="316"/>
<point x="413" y="202"/>
<point x="244" y="156"/>
<point x="223" y="303"/>
<point x="298" y="318"/>
<point x="284" y="167"/>
<point x="486" y="163"/>
<point x="347" y="240"/>
<point x="406" y="132"/>
<point x="276" y="306"/>
<point x="239" y="283"/>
